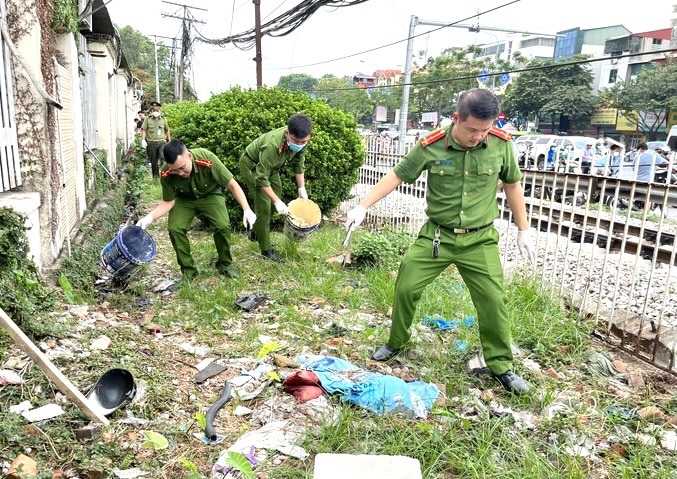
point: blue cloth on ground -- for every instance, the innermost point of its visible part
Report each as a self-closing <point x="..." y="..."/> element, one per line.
<point x="379" y="393"/>
<point x="440" y="323"/>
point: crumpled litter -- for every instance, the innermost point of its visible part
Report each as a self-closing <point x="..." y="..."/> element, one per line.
<point x="279" y="435"/>
<point x="9" y="377"/>
<point x="251" y="301"/>
<point x="599" y="364"/>
<point x="378" y="393"/>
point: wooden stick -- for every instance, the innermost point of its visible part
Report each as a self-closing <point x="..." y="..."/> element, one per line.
<point x="51" y="371"/>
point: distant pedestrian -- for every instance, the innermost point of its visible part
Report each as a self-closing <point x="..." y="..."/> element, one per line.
<point x="154" y="135"/>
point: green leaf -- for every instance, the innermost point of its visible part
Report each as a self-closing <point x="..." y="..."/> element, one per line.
<point x="67" y="288"/>
<point x="201" y="419"/>
<point x="267" y="348"/>
<point x="189" y="465"/>
<point x="155" y="441"/>
<point x="236" y="460"/>
<point x="274" y="375"/>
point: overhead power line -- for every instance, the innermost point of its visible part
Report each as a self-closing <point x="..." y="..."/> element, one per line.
<point x="452" y="24"/>
<point x="499" y="73"/>
<point x="282" y="25"/>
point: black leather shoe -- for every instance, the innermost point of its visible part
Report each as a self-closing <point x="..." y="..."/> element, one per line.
<point x="252" y="236"/>
<point x="272" y="255"/>
<point x="512" y="382"/>
<point x="384" y="353"/>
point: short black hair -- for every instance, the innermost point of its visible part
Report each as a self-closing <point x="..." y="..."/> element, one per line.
<point x="615" y="147"/>
<point x="172" y="150"/>
<point x="300" y="125"/>
<point x="642" y="146"/>
<point x="479" y="103"/>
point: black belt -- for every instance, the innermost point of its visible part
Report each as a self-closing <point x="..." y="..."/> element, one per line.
<point x="461" y="231"/>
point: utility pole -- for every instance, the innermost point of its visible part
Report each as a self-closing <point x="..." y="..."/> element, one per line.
<point x="186" y="24"/>
<point x="157" y="66"/>
<point x="257" y="35"/>
<point x="157" y="73"/>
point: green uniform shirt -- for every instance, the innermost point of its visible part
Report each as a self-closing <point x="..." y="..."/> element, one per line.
<point x="156" y="128"/>
<point x="208" y="177"/>
<point x="267" y="154"/>
<point x="462" y="184"/>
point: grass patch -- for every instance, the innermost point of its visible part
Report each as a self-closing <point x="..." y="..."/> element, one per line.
<point x="309" y="299"/>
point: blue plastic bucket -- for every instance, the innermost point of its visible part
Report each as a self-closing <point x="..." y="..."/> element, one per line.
<point x="130" y="248"/>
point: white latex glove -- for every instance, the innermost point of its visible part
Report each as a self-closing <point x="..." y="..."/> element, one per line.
<point x="356" y="216"/>
<point x="281" y="207"/>
<point x="145" y="221"/>
<point x="303" y="193"/>
<point x="144" y="144"/>
<point x="248" y="218"/>
<point x="526" y="245"/>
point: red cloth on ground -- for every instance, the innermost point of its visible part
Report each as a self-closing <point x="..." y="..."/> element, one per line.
<point x="303" y="385"/>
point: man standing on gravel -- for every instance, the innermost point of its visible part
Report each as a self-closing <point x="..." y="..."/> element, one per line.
<point x="465" y="162"/>
<point x="193" y="182"/>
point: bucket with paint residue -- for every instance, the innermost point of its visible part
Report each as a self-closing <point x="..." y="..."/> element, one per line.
<point x="131" y="247"/>
<point x="303" y="218"/>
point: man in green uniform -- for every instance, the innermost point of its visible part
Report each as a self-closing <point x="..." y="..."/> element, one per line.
<point x="192" y="183"/>
<point x="465" y="162"/>
<point x="260" y="168"/>
<point x="154" y="135"/>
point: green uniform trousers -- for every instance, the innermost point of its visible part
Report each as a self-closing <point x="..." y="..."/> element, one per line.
<point x="155" y="156"/>
<point x="211" y="207"/>
<point x="263" y="209"/>
<point x="476" y="257"/>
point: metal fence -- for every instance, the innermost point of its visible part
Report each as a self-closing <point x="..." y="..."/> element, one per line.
<point x="10" y="167"/>
<point x="606" y="246"/>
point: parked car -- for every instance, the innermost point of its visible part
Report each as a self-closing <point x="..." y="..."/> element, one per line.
<point x="539" y="149"/>
<point x="413" y="135"/>
<point x="654" y="145"/>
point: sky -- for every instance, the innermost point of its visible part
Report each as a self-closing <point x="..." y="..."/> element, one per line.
<point x="352" y="39"/>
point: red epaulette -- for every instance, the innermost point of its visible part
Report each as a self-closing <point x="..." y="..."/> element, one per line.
<point x="502" y="134"/>
<point x="166" y="173"/>
<point x="205" y="163"/>
<point x="433" y="137"/>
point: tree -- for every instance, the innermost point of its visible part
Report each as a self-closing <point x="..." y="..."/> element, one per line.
<point x="140" y="54"/>
<point x="537" y="91"/>
<point x="646" y="100"/>
<point x="297" y="81"/>
<point x="341" y="93"/>
<point x="439" y="81"/>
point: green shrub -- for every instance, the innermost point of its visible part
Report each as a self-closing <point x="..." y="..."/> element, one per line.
<point x="380" y="248"/>
<point x="227" y="123"/>
<point x="24" y="293"/>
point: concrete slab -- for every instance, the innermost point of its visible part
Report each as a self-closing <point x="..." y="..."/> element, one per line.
<point x="341" y="466"/>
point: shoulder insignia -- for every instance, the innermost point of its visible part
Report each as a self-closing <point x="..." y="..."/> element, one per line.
<point x="205" y="163"/>
<point x="502" y="134"/>
<point x="166" y="173"/>
<point x="433" y="137"/>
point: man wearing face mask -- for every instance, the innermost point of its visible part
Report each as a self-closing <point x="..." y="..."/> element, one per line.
<point x="154" y="135"/>
<point x="193" y="182"/>
<point x="614" y="159"/>
<point x="260" y="168"/>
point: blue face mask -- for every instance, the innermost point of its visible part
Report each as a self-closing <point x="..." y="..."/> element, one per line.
<point x="294" y="147"/>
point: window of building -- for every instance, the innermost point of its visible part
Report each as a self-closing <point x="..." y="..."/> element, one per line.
<point x="538" y="42"/>
<point x="613" y="75"/>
